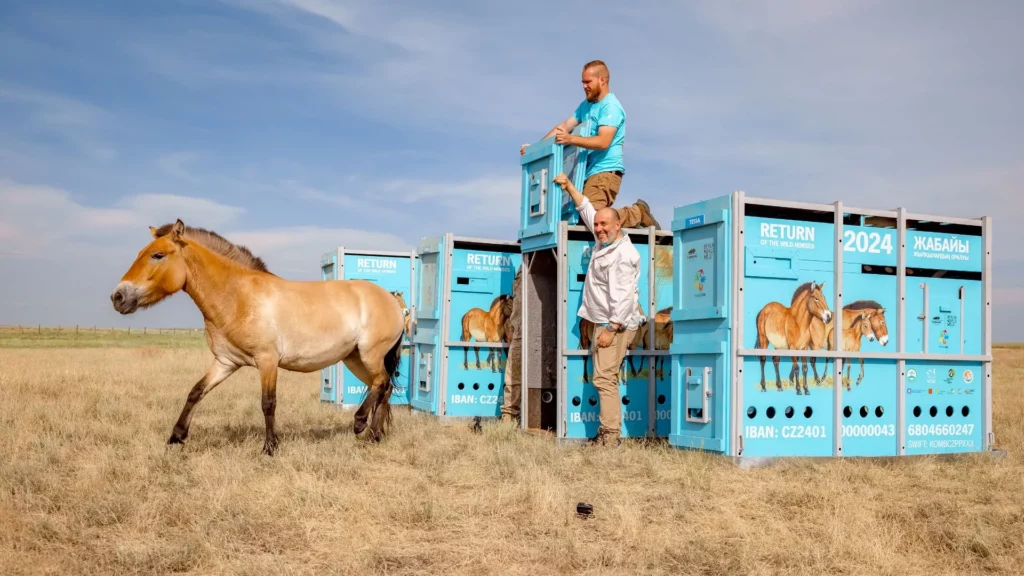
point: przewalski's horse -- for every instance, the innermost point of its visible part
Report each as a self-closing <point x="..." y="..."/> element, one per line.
<point x="662" y="341"/>
<point x="255" y="318"/>
<point x="587" y="338"/>
<point x="485" y="327"/>
<point x="405" y="310"/>
<point x="790" y="329"/>
<point x="860" y="318"/>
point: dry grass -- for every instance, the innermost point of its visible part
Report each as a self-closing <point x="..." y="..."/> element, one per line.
<point x="87" y="487"/>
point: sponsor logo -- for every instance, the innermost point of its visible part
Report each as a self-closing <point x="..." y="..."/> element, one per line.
<point x="911" y="375"/>
<point x="698" y="280"/>
<point x="968" y="376"/>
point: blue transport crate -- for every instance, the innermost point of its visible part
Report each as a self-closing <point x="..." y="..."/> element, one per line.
<point x="558" y="395"/>
<point x="908" y="371"/>
<point x="395" y="272"/>
<point x="462" y="306"/>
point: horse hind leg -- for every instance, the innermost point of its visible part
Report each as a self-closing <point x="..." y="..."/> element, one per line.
<point x="778" y="375"/>
<point x="382" y="368"/>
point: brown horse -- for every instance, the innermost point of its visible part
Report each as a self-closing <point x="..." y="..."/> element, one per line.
<point x="405" y="310"/>
<point x="255" y="318"/>
<point x="662" y="340"/>
<point x="860" y="318"/>
<point x="485" y="327"/>
<point x="790" y="329"/>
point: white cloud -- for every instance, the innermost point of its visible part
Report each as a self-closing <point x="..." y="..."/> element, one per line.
<point x="174" y="164"/>
<point x="46" y="238"/>
<point x="46" y="114"/>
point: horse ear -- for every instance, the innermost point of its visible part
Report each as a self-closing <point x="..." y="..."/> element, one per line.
<point x="178" y="229"/>
<point x="822" y="285"/>
<point x="881" y="310"/>
<point x="152" y="231"/>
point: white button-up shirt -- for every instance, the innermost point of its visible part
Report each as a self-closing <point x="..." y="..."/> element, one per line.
<point x="610" y="292"/>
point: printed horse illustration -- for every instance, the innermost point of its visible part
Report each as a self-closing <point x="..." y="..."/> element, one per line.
<point x="860" y="318"/>
<point x="662" y="341"/>
<point x="587" y="338"/>
<point x="485" y="327"/>
<point x="790" y="329"/>
<point x="255" y="318"/>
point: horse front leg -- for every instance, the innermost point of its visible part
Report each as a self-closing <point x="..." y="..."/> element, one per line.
<point x="778" y="375"/>
<point x="267" y="367"/>
<point x="216" y="374"/>
<point x="861" y="377"/>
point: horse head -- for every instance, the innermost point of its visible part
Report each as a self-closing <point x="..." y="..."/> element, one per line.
<point x="816" y="303"/>
<point x="879" y="328"/>
<point x="158" y="271"/>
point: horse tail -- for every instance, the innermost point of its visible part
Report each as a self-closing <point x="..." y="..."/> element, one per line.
<point x="391" y="360"/>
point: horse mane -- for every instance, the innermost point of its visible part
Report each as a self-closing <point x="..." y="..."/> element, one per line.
<point x="217" y="243"/>
<point x="497" y="298"/>
<point x="801" y="290"/>
<point x="862" y="305"/>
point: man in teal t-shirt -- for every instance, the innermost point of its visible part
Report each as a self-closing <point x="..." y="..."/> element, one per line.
<point x="604" y="139"/>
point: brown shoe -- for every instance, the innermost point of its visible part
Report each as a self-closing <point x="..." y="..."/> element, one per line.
<point x="648" y="218"/>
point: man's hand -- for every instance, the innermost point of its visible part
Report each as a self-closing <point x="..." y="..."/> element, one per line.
<point x="605" y="339"/>
<point x="562" y="180"/>
<point x="522" y="149"/>
<point x="563" y="137"/>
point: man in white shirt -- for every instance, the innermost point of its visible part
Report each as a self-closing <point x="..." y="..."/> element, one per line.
<point x="610" y="302"/>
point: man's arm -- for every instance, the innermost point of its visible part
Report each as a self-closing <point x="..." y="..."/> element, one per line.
<point x="605" y="135"/>
<point x="622" y="282"/>
<point x="583" y="205"/>
<point x="565" y="128"/>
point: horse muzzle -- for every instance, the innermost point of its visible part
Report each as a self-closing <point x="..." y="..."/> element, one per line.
<point x="125" y="298"/>
<point x="826" y="316"/>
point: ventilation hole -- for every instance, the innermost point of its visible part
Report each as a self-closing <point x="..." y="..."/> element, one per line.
<point x="847" y="411"/>
<point x="949" y="411"/>
<point x="807" y="412"/>
<point x="751" y="412"/>
<point x="576" y="401"/>
<point x="933" y="411"/>
<point x="462" y="386"/>
<point x="770" y="412"/>
<point x="490" y="386"/>
<point x="476" y="386"/>
<point x="547" y="397"/>
<point x="661" y="398"/>
<point x="965" y="411"/>
<point x="863" y="411"/>
<point x="879" y="412"/>
<point x="592" y="401"/>
<point x="917" y="411"/>
<point x="625" y="400"/>
<point x="789" y="411"/>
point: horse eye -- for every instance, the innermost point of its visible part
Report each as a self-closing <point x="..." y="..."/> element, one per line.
<point x="157" y="255"/>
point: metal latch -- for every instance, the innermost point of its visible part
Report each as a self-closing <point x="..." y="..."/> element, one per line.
<point x="425" y="367"/>
<point x="704" y="381"/>
<point x="539" y="192"/>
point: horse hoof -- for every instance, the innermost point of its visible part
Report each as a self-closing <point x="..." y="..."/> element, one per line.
<point x="359" y="426"/>
<point x="269" y="447"/>
<point x="176" y="439"/>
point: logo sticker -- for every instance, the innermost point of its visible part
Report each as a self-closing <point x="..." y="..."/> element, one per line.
<point x="968" y="376"/>
<point x="911" y="375"/>
<point x="943" y="337"/>
<point x="698" y="280"/>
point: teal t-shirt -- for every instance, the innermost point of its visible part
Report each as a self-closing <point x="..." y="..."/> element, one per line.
<point x="607" y="112"/>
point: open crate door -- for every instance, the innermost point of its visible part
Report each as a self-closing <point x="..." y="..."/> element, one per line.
<point x="543" y="204"/>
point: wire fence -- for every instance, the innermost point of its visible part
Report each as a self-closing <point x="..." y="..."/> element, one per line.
<point x="97" y="330"/>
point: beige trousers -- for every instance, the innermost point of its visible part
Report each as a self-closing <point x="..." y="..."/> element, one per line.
<point x="602" y="188"/>
<point x="606" y="379"/>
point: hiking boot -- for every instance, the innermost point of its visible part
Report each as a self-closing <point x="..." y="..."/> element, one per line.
<point x="648" y="218"/>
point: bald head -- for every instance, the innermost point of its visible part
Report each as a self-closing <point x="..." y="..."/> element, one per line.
<point x="607" y="225"/>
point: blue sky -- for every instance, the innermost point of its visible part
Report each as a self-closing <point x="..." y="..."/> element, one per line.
<point x="294" y="126"/>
